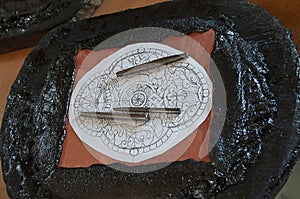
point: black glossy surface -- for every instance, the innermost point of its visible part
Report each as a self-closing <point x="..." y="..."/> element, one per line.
<point x="24" y="22"/>
<point x="260" y="140"/>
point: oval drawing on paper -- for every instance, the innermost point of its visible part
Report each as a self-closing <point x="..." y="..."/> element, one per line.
<point x="184" y="84"/>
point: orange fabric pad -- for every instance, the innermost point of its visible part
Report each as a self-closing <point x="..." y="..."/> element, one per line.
<point x="75" y="153"/>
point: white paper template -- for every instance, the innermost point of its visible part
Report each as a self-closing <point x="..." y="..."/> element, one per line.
<point x="184" y="84"/>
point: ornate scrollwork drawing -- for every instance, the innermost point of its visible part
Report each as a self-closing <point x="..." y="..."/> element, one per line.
<point x="184" y="85"/>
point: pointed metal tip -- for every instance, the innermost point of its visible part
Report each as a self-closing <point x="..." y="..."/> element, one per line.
<point x="186" y="55"/>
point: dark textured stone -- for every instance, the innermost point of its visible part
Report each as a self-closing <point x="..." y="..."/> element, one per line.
<point x="259" y="143"/>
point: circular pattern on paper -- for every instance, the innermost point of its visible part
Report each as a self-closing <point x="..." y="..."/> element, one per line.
<point x="183" y="84"/>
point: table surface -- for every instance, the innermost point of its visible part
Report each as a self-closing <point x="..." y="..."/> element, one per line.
<point x="287" y="11"/>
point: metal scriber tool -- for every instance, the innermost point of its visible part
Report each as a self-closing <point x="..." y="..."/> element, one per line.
<point x="148" y="110"/>
<point x="119" y="116"/>
<point x="152" y="64"/>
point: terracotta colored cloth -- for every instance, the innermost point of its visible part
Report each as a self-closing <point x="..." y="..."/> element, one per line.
<point x="75" y="153"/>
